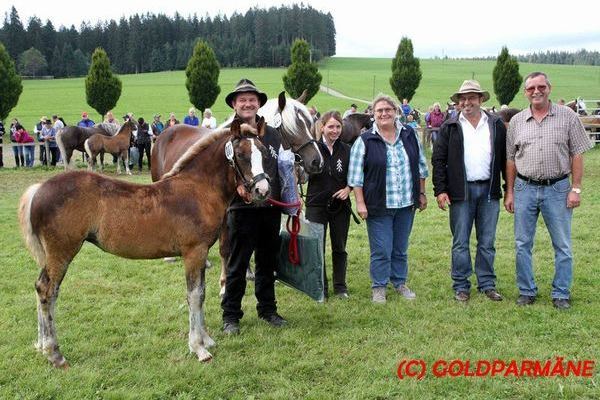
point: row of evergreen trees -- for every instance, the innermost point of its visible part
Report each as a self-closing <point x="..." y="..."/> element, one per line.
<point x="149" y="42"/>
<point x="580" y="57"/>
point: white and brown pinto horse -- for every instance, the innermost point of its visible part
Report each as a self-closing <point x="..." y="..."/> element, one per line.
<point x="117" y="145"/>
<point x="181" y="216"/>
<point x="290" y="117"/>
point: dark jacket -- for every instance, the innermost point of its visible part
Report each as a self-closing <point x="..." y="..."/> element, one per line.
<point x="143" y="134"/>
<point x="272" y="141"/>
<point x="333" y="177"/>
<point x="375" y="167"/>
<point x="448" y="159"/>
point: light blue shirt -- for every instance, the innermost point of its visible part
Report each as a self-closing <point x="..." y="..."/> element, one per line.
<point x="398" y="178"/>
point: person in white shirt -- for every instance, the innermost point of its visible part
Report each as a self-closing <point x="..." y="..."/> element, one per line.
<point x="468" y="160"/>
<point x="209" y="121"/>
<point x="352" y="110"/>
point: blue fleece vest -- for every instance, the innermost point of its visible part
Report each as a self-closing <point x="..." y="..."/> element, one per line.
<point x="375" y="166"/>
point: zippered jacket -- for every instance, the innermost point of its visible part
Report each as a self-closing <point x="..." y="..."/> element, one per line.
<point x="448" y="159"/>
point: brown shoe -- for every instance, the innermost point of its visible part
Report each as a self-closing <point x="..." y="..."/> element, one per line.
<point x="493" y="295"/>
<point x="462" y="296"/>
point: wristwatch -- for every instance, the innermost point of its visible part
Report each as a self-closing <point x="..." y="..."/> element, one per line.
<point x="576" y="190"/>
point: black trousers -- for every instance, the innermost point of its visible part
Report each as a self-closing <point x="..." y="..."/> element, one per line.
<point x="144" y="147"/>
<point x="338" y="223"/>
<point x="54" y="153"/>
<point x="251" y="230"/>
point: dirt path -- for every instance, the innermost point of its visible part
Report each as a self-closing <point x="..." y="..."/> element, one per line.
<point x="334" y="93"/>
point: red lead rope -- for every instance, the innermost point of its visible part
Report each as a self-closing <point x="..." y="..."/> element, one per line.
<point x="293" y="255"/>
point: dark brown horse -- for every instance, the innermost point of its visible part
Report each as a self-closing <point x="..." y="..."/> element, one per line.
<point x="71" y="138"/>
<point x="179" y="215"/>
<point x="354" y="125"/>
<point x="117" y="145"/>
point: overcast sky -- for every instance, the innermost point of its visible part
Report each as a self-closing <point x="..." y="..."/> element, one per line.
<point x="456" y="28"/>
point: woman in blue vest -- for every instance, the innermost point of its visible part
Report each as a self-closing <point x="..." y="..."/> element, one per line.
<point x="387" y="171"/>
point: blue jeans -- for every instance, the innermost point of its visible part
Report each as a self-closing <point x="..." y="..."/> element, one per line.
<point x="483" y="212"/>
<point x="29" y="154"/>
<point x="388" y="240"/>
<point x="552" y="202"/>
<point x="19" y="156"/>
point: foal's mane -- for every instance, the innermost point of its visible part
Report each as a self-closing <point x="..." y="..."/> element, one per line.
<point x="195" y="149"/>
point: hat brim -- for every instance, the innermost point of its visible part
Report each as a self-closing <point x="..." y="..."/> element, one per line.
<point x="484" y="93"/>
<point x="231" y="96"/>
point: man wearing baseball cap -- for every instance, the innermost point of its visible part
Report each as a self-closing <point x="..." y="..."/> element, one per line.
<point x="253" y="228"/>
<point x="468" y="159"/>
<point x="85" y="121"/>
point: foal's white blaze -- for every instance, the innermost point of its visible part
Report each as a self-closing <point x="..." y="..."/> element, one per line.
<point x="257" y="168"/>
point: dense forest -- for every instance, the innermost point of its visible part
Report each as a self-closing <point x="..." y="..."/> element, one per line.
<point x="580" y="57"/>
<point x="149" y="42"/>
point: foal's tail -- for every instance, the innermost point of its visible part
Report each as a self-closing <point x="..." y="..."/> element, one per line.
<point x="86" y="145"/>
<point x="31" y="239"/>
<point x="61" y="147"/>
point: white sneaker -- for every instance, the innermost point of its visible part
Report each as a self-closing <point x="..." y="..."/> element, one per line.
<point x="406" y="292"/>
<point x="378" y="295"/>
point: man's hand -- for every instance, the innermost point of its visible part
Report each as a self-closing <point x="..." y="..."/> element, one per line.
<point x="509" y="202"/>
<point x="573" y="200"/>
<point x="362" y="210"/>
<point x="443" y="200"/>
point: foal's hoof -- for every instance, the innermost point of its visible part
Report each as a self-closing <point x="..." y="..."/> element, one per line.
<point x="204" y="355"/>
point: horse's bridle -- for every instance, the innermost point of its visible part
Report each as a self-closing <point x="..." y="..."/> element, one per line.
<point x="230" y="155"/>
<point x="286" y="143"/>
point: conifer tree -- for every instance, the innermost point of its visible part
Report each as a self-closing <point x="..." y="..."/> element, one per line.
<point x="202" y="76"/>
<point x="506" y="76"/>
<point x="406" y="71"/>
<point x="102" y="88"/>
<point x="302" y="74"/>
<point x="10" y="84"/>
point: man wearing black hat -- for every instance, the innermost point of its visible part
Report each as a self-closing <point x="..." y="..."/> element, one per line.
<point x="253" y="228"/>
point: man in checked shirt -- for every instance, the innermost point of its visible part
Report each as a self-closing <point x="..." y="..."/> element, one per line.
<point x="545" y="144"/>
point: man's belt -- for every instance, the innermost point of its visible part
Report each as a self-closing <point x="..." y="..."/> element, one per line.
<point x="542" y="182"/>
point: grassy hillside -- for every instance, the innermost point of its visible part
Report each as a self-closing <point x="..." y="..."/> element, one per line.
<point x="162" y="92"/>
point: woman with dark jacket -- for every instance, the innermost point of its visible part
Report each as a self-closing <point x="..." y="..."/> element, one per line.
<point x="143" y="142"/>
<point x="327" y="199"/>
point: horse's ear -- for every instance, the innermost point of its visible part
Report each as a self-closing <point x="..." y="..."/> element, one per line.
<point x="235" y="128"/>
<point x="302" y="98"/>
<point x="261" y="126"/>
<point x="317" y="130"/>
<point x="281" y="101"/>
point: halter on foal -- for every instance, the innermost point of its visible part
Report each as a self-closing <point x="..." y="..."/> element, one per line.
<point x="117" y="145"/>
<point x="179" y="215"/>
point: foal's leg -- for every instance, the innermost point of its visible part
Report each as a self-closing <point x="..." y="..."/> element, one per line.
<point x="199" y="339"/>
<point x="119" y="160"/>
<point x="47" y="287"/>
<point x="224" y="253"/>
<point x="126" y="157"/>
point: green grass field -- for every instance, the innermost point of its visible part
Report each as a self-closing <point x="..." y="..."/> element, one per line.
<point x="123" y="324"/>
<point x="163" y="92"/>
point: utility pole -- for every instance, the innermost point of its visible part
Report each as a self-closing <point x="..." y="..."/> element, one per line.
<point x="373" y="87"/>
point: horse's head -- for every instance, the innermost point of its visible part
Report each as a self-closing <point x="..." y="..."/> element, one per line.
<point x="246" y="154"/>
<point x="294" y="122"/>
<point x="128" y="127"/>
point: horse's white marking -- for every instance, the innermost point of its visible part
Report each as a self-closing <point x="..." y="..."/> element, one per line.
<point x="198" y="339"/>
<point x="257" y="168"/>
